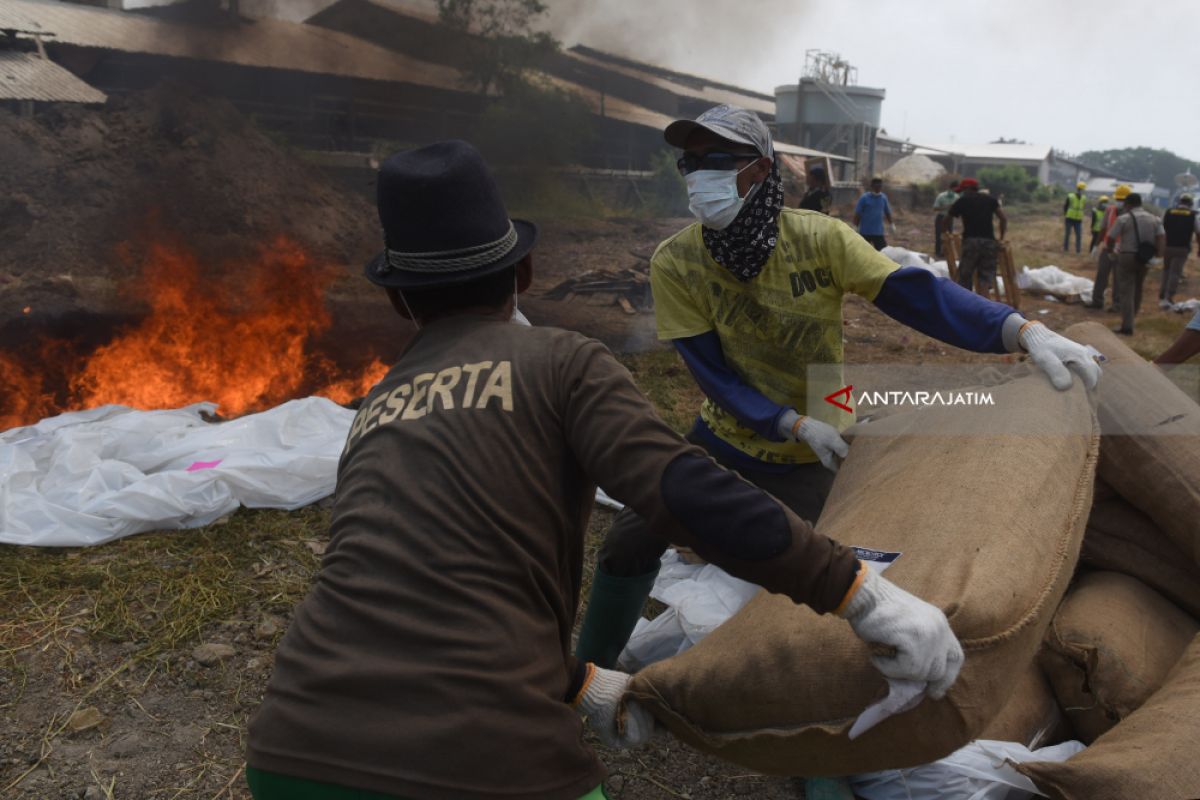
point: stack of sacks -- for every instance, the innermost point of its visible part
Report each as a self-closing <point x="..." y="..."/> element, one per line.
<point x="777" y="687"/>
<point x="1150" y="754"/>
<point x="1111" y="645"/>
<point x="1031" y="716"/>
<point x="1113" y="653"/>
<point x="1122" y="539"/>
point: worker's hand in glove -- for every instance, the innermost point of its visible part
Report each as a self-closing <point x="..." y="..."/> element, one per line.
<point x="892" y="228"/>
<point x="618" y="722"/>
<point x="1058" y="356"/>
<point x="824" y="439"/>
<point x="918" y="634"/>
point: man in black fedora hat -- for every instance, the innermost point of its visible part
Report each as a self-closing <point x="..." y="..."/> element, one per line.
<point x="432" y="657"/>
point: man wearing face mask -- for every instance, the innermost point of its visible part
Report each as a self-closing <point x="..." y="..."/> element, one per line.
<point x="750" y="296"/>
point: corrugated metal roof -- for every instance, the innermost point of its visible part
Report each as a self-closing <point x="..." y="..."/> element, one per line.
<point x="796" y="150"/>
<point x="264" y="43"/>
<point x="28" y="76"/>
<point x="992" y="152"/>
<point x="713" y="94"/>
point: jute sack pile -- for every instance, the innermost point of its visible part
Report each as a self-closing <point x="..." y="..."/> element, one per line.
<point x="1110" y="646"/>
<point x="1151" y="754"/>
<point x="1151" y="451"/>
<point x="989" y="526"/>
<point x="1122" y="539"/>
<point x="1031" y="716"/>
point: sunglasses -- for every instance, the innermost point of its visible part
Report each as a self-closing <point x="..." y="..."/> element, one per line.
<point x="690" y="162"/>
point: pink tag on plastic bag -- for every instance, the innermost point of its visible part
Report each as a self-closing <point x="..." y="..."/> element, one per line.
<point x="199" y="465"/>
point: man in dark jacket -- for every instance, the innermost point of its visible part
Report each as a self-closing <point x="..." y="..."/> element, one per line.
<point x="432" y="657"/>
<point x="1181" y="224"/>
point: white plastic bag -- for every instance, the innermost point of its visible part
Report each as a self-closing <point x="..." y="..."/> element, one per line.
<point x="700" y="597"/>
<point x="89" y="477"/>
<point x="980" y="771"/>
<point x="1054" y="281"/>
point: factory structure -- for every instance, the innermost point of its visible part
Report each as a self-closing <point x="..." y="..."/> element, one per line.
<point x="355" y="75"/>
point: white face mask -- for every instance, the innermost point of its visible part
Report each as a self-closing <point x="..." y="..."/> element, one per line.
<point x="713" y="195"/>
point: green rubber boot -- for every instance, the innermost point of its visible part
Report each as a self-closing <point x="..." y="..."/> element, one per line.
<point x="614" y="607"/>
<point x="827" y="789"/>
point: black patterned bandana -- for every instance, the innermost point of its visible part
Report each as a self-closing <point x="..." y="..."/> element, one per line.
<point x="744" y="247"/>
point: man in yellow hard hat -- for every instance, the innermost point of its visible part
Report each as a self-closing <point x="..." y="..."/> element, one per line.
<point x="1107" y="260"/>
<point x="1073" y="216"/>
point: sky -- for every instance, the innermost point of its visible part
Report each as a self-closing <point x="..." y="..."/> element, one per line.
<point x="1078" y="76"/>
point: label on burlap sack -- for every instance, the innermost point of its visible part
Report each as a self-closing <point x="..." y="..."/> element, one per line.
<point x="878" y="559"/>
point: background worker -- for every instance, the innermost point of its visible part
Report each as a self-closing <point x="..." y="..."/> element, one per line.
<point x="818" y="197"/>
<point x="870" y="212"/>
<point x="1073" y="216"/>
<point x="980" y="250"/>
<point x="1136" y="237"/>
<point x="941" y="204"/>
<point x="1180" y="224"/>
<point x="1183" y="348"/>
<point x="431" y="657"/>
<point x="1098" y="224"/>
<point x="1106" y="261"/>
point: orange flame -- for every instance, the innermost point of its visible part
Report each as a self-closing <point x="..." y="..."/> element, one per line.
<point x="242" y="339"/>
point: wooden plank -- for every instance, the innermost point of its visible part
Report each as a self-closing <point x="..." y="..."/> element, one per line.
<point x="950" y="246"/>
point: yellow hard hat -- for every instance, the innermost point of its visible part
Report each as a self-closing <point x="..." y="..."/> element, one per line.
<point x="1123" y="191"/>
<point x="1103" y="199"/>
<point x="1081" y="185"/>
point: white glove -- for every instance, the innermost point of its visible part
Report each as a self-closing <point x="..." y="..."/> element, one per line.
<point x="1055" y="354"/>
<point x="925" y="648"/>
<point x="892" y="228"/>
<point x="618" y="723"/>
<point x="823" y="438"/>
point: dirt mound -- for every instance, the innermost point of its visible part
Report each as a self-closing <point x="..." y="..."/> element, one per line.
<point x="80" y="182"/>
<point x="914" y="169"/>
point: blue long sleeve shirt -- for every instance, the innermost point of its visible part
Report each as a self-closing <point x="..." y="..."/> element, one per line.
<point x="937" y="307"/>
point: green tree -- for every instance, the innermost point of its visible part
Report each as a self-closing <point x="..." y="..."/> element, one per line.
<point x="1013" y="182"/>
<point x="502" y="45"/>
<point x="1140" y="164"/>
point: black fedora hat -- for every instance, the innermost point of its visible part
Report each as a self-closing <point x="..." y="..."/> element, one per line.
<point x="443" y="220"/>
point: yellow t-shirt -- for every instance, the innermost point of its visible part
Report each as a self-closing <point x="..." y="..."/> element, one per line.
<point x="775" y="325"/>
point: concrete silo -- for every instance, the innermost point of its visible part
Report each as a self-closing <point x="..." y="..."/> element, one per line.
<point x="827" y="110"/>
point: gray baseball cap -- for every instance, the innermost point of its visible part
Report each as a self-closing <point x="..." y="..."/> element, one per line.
<point x="729" y="122"/>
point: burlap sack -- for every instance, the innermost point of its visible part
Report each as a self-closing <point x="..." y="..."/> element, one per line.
<point x="1110" y="646"/>
<point x="1151" y="448"/>
<point x="990" y="527"/>
<point x="1150" y="754"/>
<point x="1122" y="539"/>
<point x="1031" y="716"/>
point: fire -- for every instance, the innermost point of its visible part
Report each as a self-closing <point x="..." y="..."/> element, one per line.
<point x="241" y="336"/>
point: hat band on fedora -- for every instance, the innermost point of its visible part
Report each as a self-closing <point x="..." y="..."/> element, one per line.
<point x="454" y="260"/>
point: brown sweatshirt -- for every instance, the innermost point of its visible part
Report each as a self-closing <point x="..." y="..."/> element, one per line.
<point x="431" y="658"/>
